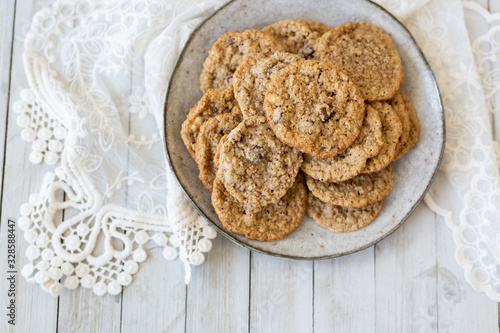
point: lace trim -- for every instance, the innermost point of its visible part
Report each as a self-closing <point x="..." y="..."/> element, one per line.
<point x="469" y="164"/>
<point x="81" y="230"/>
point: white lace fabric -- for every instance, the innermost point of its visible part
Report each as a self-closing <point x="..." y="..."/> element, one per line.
<point x="81" y="58"/>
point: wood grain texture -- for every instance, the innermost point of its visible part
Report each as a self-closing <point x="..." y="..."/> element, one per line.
<point x="281" y="298"/>
<point x="344" y="293"/>
<point x="83" y="311"/>
<point x="218" y="294"/>
<point x="405" y="273"/>
<point x="36" y="310"/>
<point x="155" y="301"/>
<point x="6" y="43"/>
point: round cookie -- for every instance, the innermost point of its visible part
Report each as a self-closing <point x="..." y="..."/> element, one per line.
<point x="398" y="105"/>
<point x="391" y="131"/>
<point x="257" y="168"/>
<point x="228" y="52"/>
<point x="349" y="162"/>
<point x="295" y="37"/>
<point x="218" y="150"/>
<point x="341" y="219"/>
<point x="212" y="103"/>
<point x="269" y="223"/>
<point x="315" y="26"/>
<point x="251" y="79"/>
<point x="315" y="107"/>
<point x="362" y="190"/>
<point x="368" y="55"/>
<point x="206" y="145"/>
<point x="414" y="127"/>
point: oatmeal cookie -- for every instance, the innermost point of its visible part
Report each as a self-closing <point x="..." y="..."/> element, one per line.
<point x="315" y="26"/>
<point x="341" y="219"/>
<point x="206" y="145"/>
<point x="257" y="168"/>
<point x="271" y="222"/>
<point x="414" y="127"/>
<point x="368" y="55"/>
<point x="251" y="79"/>
<point x="228" y="52"/>
<point x="398" y="105"/>
<point x="315" y="107"/>
<point x="212" y="103"/>
<point x="218" y="149"/>
<point x="391" y="131"/>
<point x="295" y="37"/>
<point x="362" y="190"/>
<point x="352" y="160"/>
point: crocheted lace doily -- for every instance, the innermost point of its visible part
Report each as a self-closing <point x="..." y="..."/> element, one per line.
<point x="110" y="178"/>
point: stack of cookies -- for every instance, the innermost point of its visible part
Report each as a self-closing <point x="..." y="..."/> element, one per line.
<point x="296" y="117"/>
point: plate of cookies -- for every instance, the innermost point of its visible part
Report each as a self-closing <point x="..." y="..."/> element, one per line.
<point x="305" y="130"/>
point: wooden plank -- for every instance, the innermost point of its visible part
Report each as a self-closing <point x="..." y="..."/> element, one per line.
<point x="405" y="273"/>
<point x="83" y="311"/>
<point x="155" y="301"/>
<point x="344" y="293"/>
<point x="36" y="310"/>
<point x="6" y="40"/>
<point x="281" y="295"/>
<point x="218" y="295"/>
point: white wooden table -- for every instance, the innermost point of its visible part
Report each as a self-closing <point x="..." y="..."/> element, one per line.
<point x="409" y="282"/>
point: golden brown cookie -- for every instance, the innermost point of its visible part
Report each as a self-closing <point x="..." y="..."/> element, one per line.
<point x="257" y="168"/>
<point x="206" y="145"/>
<point x="218" y="149"/>
<point x="368" y="55"/>
<point x="295" y="37"/>
<point x="315" y="26"/>
<point x="398" y="105"/>
<point x="212" y="103"/>
<point x="228" y="52"/>
<point x="362" y="190"/>
<point x="274" y="221"/>
<point x="391" y="131"/>
<point x="251" y="79"/>
<point x="352" y="160"/>
<point x="414" y="127"/>
<point x="315" y="107"/>
<point x="341" y="219"/>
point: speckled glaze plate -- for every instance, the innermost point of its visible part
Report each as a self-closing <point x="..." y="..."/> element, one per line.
<point x="413" y="173"/>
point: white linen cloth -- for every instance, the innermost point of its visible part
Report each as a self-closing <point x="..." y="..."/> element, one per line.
<point x="82" y="56"/>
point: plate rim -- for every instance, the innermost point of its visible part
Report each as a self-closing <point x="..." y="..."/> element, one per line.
<point x="232" y="238"/>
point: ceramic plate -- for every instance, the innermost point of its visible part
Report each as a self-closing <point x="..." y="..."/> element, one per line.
<point x="413" y="173"/>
